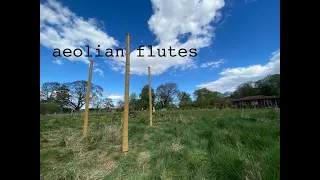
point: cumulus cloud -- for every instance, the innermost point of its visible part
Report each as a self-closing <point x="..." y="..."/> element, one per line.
<point x="60" y="28"/>
<point x="232" y="77"/>
<point x="57" y="61"/>
<point x="188" y="25"/>
<point x="115" y="96"/>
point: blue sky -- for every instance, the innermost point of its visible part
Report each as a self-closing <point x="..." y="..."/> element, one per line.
<point x="236" y="41"/>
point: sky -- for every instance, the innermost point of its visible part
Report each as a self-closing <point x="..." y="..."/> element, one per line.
<point x="235" y="40"/>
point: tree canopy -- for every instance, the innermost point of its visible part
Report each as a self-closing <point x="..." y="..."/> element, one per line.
<point x="56" y="96"/>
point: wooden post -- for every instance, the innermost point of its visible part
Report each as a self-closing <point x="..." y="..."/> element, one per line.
<point x="86" y="111"/>
<point x="125" y="147"/>
<point x="150" y="98"/>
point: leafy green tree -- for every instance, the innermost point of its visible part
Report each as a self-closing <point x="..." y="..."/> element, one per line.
<point x="184" y="99"/>
<point x="63" y="96"/>
<point x="144" y="97"/>
<point x="245" y="89"/>
<point x="206" y="98"/>
<point x="270" y="85"/>
<point x="133" y="101"/>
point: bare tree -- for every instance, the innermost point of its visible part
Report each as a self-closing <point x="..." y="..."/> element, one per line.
<point x="167" y="93"/>
<point x="108" y="103"/>
<point x="120" y="104"/>
<point x="77" y="93"/>
<point x="48" y="90"/>
<point x="97" y="102"/>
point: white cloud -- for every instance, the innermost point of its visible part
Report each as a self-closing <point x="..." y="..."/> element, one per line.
<point x="58" y="61"/>
<point x="232" y="77"/>
<point x="60" y="28"/>
<point x="187" y="20"/>
<point x="212" y="64"/>
<point x="188" y="25"/>
<point x="99" y="71"/>
<point x="115" y="96"/>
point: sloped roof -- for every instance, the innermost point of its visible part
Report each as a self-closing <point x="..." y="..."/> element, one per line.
<point x="259" y="97"/>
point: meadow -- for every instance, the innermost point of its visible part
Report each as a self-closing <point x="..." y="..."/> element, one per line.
<point x="227" y="144"/>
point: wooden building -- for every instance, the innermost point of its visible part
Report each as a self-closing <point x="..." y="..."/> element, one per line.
<point x="258" y="102"/>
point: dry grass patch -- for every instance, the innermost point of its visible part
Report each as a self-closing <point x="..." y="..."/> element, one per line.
<point x="175" y="147"/>
<point x="143" y="159"/>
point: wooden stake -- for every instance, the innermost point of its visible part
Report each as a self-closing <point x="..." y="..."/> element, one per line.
<point x="126" y="98"/>
<point x="150" y="98"/>
<point x="86" y="111"/>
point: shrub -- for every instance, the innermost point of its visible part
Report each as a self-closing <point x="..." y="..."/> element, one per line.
<point x="245" y="106"/>
<point x="67" y="110"/>
<point x="49" y="108"/>
<point x="171" y="107"/>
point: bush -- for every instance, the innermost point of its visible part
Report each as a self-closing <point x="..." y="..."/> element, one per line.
<point x="49" y="108"/>
<point x="245" y="106"/>
<point x="171" y="107"/>
<point x="67" y="110"/>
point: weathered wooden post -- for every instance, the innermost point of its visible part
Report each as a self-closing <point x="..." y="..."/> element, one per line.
<point x="150" y="98"/>
<point x="86" y="111"/>
<point x="125" y="147"/>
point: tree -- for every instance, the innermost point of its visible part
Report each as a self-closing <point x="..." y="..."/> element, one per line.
<point x="227" y="94"/>
<point x="205" y="98"/>
<point x="63" y="96"/>
<point x="225" y="102"/>
<point x="166" y="93"/>
<point x="144" y="97"/>
<point x="97" y="102"/>
<point x="77" y="93"/>
<point x="133" y="100"/>
<point x="270" y="85"/>
<point x="48" y="90"/>
<point x="108" y="103"/>
<point x="120" y="104"/>
<point x="202" y="93"/>
<point x="140" y="104"/>
<point x="246" y="89"/>
<point x="184" y="99"/>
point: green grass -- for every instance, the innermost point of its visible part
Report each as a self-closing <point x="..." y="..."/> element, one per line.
<point x="203" y="144"/>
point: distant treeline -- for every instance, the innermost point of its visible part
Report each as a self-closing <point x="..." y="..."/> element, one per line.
<point x="58" y="97"/>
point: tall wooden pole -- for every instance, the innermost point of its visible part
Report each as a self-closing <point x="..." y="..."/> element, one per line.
<point x="126" y="98"/>
<point x="86" y="111"/>
<point x="150" y="98"/>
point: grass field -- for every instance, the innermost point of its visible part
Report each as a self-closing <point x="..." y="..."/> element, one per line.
<point x="203" y="144"/>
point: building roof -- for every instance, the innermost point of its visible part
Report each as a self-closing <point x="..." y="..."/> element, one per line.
<point x="259" y="97"/>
